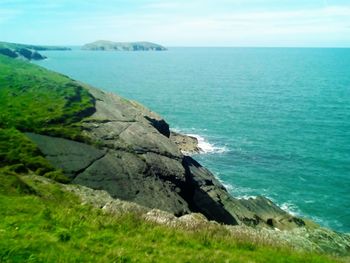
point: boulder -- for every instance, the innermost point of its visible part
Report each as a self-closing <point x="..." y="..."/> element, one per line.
<point x="187" y="144"/>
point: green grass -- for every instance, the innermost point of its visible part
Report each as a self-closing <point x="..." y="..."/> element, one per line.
<point x="19" y="154"/>
<point x="41" y="223"/>
<point x="33" y="99"/>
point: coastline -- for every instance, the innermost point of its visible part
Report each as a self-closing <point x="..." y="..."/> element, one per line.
<point x="131" y="142"/>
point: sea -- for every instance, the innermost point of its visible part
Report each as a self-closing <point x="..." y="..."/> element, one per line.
<point x="270" y="121"/>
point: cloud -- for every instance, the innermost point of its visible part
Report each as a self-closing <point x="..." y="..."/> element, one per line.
<point x="225" y="27"/>
<point x="182" y="22"/>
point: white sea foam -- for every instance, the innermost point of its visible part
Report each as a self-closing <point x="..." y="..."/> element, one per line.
<point x="207" y="147"/>
<point x="246" y="197"/>
<point x="290" y="208"/>
<point x="227" y="186"/>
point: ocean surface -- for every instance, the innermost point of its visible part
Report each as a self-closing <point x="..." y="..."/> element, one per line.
<point x="271" y="121"/>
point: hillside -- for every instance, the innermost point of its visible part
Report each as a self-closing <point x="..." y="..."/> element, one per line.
<point x="58" y="128"/>
<point x="42" y="222"/>
<point x="29" y="52"/>
<point x="105" y="45"/>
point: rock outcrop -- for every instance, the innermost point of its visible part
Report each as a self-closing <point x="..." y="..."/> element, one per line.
<point x="136" y="160"/>
<point x="104" y="45"/>
<point x="187" y="144"/>
<point x="21" y="53"/>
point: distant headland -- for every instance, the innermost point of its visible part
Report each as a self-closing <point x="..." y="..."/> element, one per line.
<point x="23" y="51"/>
<point x="104" y="45"/>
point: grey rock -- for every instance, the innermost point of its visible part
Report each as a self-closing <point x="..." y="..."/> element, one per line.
<point x="126" y="176"/>
<point x="187" y="144"/>
<point x="22" y="53"/>
<point x="139" y="162"/>
<point x="73" y="157"/>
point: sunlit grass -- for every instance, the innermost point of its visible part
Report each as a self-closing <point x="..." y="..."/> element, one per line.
<point x="42" y="223"/>
<point x="33" y="99"/>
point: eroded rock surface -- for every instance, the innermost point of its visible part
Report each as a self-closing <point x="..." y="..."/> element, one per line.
<point x="187" y="144"/>
<point x="138" y="161"/>
<point x="73" y="157"/>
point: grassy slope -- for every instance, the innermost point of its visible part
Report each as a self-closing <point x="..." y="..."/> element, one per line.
<point x="41" y="223"/>
<point x="33" y="99"/>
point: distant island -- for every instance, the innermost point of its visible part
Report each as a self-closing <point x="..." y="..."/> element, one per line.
<point x="105" y="45"/>
<point x="29" y="52"/>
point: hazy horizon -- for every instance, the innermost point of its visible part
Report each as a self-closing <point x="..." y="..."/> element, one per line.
<point x="179" y="23"/>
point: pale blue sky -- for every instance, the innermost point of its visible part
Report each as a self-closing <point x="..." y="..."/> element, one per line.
<point x="178" y="22"/>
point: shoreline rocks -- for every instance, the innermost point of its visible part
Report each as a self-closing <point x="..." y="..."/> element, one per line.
<point x="137" y="160"/>
<point x="188" y="145"/>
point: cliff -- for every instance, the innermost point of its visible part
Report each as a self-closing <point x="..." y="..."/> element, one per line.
<point x="106" y="142"/>
<point x="29" y="52"/>
<point x="105" y="45"/>
<point x="137" y="161"/>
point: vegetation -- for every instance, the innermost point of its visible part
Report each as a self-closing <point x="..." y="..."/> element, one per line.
<point x="19" y="154"/>
<point x="21" y="51"/>
<point x="33" y="99"/>
<point x="42" y="223"/>
<point x="32" y="47"/>
<point x="123" y="46"/>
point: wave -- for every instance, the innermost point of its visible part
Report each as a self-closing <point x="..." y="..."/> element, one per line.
<point x="207" y="147"/>
<point x="290" y="208"/>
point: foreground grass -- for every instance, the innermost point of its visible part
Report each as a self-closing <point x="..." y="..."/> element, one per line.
<point x="19" y="154"/>
<point x="41" y="223"/>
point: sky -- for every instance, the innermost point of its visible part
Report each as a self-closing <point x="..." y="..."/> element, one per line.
<point x="271" y="23"/>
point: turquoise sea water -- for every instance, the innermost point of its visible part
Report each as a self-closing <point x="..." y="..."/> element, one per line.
<point x="273" y="121"/>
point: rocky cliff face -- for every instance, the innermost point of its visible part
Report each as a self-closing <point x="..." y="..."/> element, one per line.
<point x="136" y="160"/>
<point x="23" y="53"/>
